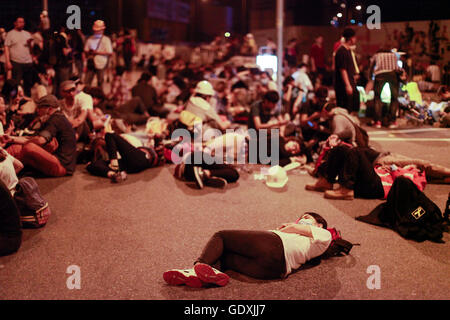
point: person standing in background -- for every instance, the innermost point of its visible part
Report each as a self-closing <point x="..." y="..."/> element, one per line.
<point x="18" y="58"/>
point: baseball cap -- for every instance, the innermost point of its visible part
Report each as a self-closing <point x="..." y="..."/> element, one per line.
<point x="49" y="101"/>
<point x="67" y="85"/>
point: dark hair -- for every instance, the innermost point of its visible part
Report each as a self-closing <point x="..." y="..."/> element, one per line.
<point x="145" y="76"/>
<point x="272" y="96"/>
<point x="301" y="65"/>
<point x="284" y="141"/>
<point x="319" y="219"/>
<point x="321" y="92"/>
<point x="348" y="33"/>
<point x="287" y="80"/>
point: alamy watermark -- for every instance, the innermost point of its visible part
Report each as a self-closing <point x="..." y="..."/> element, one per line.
<point x="74" y="280"/>
<point x="231" y="147"/>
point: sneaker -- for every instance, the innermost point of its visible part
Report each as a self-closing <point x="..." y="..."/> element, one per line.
<point x="378" y="125"/>
<point x="179" y="277"/>
<point x="199" y="175"/>
<point x="215" y="182"/>
<point x="179" y="171"/>
<point x="119" y="176"/>
<point x="208" y="274"/>
<point x="393" y="125"/>
<point x="340" y="194"/>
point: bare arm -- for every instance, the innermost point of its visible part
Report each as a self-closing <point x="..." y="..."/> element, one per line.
<point x="303" y="230"/>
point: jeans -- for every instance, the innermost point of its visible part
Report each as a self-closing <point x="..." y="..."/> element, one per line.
<point x="258" y="254"/>
<point x="89" y="76"/>
<point x="392" y="80"/>
<point x="23" y="71"/>
<point x="354" y="171"/>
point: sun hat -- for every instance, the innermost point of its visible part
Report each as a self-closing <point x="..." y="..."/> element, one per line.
<point x="99" y="25"/>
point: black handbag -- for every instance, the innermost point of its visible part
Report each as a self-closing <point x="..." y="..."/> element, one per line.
<point x="90" y="61"/>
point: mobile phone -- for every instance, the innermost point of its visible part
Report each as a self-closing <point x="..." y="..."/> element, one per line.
<point x="310" y="124"/>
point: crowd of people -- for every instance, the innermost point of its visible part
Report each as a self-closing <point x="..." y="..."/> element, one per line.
<point x="49" y="123"/>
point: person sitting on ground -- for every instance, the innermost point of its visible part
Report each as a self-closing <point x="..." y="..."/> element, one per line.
<point x="199" y="105"/>
<point x="270" y="254"/>
<point x="310" y="118"/>
<point x="9" y="168"/>
<point x="263" y="114"/>
<point x="78" y="107"/>
<point x="10" y="226"/>
<point x="53" y="150"/>
<point x="144" y="90"/>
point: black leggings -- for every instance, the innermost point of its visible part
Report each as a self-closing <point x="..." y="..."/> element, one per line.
<point x="355" y="171"/>
<point x="132" y="160"/>
<point x="10" y="232"/>
<point x="258" y="254"/>
<point x="224" y="171"/>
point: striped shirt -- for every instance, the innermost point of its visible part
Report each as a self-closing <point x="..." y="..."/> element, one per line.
<point x="385" y="62"/>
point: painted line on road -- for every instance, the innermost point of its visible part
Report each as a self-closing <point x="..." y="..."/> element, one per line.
<point x="410" y="139"/>
<point x="408" y="131"/>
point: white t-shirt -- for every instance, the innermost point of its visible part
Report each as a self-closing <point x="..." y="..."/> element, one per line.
<point x="83" y="101"/>
<point x="105" y="46"/>
<point x="299" y="249"/>
<point x="19" y="50"/>
<point x="231" y="146"/>
<point x="302" y="80"/>
<point x="8" y="174"/>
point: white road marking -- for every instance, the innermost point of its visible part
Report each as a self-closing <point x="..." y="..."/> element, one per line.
<point x="410" y="139"/>
<point x="408" y="131"/>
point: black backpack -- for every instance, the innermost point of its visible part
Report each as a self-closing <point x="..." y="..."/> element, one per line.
<point x="409" y="212"/>
<point x="34" y="210"/>
<point x="338" y="246"/>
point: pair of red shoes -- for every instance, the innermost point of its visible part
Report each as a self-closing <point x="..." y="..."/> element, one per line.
<point x="197" y="277"/>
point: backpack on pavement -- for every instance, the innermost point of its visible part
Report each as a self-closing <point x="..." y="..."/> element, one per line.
<point x="34" y="210"/>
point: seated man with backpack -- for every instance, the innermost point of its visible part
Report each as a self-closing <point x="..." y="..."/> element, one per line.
<point x="53" y="150"/>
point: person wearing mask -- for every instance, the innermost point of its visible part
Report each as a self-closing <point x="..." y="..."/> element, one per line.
<point x="272" y="254"/>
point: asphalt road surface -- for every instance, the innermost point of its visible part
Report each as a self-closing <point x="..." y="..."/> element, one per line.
<point x="120" y="238"/>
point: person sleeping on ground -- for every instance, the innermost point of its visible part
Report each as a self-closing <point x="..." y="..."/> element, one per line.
<point x="270" y="254"/>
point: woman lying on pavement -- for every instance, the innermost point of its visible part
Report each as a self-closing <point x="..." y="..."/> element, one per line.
<point x="132" y="159"/>
<point x="270" y="254"/>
